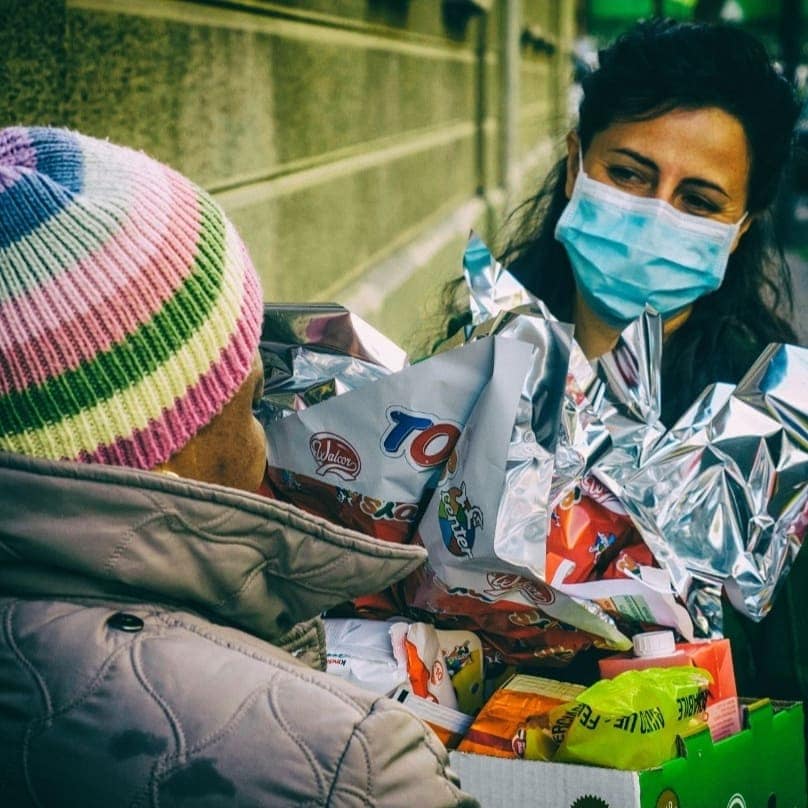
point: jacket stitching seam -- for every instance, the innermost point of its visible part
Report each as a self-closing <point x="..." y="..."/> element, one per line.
<point x="360" y="737"/>
<point x="169" y="764"/>
<point x="255" y="504"/>
<point x="93" y="684"/>
<point x="27" y="665"/>
<point x="298" y="670"/>
<point x="302" y="745"/>
<point x="118" y="550"/>
<point x="137" y="667"/>
<point x="271" y="562"/>
<point x="264" y="565"/>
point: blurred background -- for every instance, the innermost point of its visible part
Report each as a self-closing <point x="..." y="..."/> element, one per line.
<point x="353" y="142"/>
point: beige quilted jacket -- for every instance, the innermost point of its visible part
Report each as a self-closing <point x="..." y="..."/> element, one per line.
<point x="159" y="646"/>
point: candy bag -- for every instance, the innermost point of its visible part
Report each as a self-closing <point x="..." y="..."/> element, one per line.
<point x="500" y="728"/>
<point x="361" y="652"/>
<point x="631" y="721"/>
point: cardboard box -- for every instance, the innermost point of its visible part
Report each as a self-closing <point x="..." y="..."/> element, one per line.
<point x="763" y="766"/>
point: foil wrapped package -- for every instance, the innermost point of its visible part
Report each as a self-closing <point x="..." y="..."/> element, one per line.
<point x="572" y="533"/>
<point x="719" y="499"/>
<point x="369" y="458"/>
<point x="557" y="511"/>
<point x="723" y="497"/>
<point x="610" y="406"/>
<point x="504" y="465"/>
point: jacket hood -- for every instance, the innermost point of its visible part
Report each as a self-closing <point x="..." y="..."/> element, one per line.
<point x="259" y="564"/>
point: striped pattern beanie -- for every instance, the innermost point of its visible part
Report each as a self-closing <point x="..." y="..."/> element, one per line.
<point x="129" y="309"/>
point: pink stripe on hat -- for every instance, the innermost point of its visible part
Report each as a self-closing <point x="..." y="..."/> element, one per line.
<point x="121" y="282"/>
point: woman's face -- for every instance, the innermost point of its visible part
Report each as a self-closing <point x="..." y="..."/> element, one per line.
<point x="696" y="160"/>
<point x="231" y="449"/>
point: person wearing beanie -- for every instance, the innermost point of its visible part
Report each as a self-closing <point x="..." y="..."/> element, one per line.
<point x="160" y="638"/>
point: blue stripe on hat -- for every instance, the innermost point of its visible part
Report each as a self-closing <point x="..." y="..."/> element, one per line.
<point x="58" y="156"/>
<point x="28" y="204"/>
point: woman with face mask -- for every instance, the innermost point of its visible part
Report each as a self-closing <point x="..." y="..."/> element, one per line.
<point x="665" y="197"/>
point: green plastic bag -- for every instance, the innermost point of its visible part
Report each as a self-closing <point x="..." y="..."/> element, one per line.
<point x="631" y="721"/>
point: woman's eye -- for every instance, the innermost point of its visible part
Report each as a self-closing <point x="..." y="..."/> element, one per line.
<point x="625" y="176"/>
<point x="699" y="205"/>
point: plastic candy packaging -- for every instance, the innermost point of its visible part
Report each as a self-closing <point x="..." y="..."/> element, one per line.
<point x="361" y="652"/>
<point x="501" y="728"/>
<point x="657" y="649"/>
<point x="631" y="721"/>
<point x="463" y="653"/>
<point x="417" y="644"/>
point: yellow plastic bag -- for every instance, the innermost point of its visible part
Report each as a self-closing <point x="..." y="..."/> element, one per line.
<point x="631" y="721"/>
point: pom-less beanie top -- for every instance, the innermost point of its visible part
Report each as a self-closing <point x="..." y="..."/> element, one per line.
<point x="130" y="311"/>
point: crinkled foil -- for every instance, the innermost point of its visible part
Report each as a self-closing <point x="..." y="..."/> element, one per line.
<point x="523" y="517"/>
<point x="605" y="413"/>
<point x="722" y="500"/>
<point x="610" y="408"/>
<point x="492" y="289"/>
<point x="314" y="351"/>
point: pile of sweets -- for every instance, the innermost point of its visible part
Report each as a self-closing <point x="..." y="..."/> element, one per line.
<point x="558" y="513"/>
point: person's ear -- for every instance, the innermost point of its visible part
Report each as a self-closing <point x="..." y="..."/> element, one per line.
<point x="573" y="145"/>
<point x="745" y="225"/>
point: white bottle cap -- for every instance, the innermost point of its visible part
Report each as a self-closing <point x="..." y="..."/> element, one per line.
<point x="654" y="643"/>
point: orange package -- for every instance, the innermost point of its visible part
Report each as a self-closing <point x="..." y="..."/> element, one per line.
<point x="500" y="727"/>
<point x="592" y="537"/>
<point x="511" y="631"/>
<point x="723" y="711"/>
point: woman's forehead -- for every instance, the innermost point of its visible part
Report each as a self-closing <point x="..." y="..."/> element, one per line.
<point x="706" y="143"/>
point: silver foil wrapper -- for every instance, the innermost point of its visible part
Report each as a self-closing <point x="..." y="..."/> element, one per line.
<point x="314" y="351"/>
<point x="609" y="411"/>
<point x="492" y="289"/>
<point x="522" y="517"/>
<point x="722" y="499"/>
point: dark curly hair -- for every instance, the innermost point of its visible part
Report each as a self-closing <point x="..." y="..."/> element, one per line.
<point x="655" y="67"/>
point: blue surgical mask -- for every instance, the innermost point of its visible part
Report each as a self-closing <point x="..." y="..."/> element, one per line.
<point x="627" y="251"/>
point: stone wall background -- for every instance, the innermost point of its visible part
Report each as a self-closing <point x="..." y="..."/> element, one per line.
<point x="353" y="142"/>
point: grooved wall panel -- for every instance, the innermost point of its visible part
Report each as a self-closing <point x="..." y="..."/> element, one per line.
<point x="336" y="135"/>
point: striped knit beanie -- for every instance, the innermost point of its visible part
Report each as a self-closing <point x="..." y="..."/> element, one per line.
<point x="129" y="309"/>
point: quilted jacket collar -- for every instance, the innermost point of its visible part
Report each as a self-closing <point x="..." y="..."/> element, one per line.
<point x="261" y="565"/>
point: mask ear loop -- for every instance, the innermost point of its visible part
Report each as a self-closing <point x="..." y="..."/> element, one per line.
<point x="580" y="177"/>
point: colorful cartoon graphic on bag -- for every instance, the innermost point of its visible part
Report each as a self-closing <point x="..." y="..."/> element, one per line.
<point x="602" y="542"/>
<point x="459" y="520"/>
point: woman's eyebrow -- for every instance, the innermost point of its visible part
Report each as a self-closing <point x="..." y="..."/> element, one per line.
<point x="700" y="182"/>
<point x="637" y="157"/>
<point x="705" y="184"/>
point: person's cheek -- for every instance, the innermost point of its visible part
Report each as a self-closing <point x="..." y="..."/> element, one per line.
<point x="257" y="455"/>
